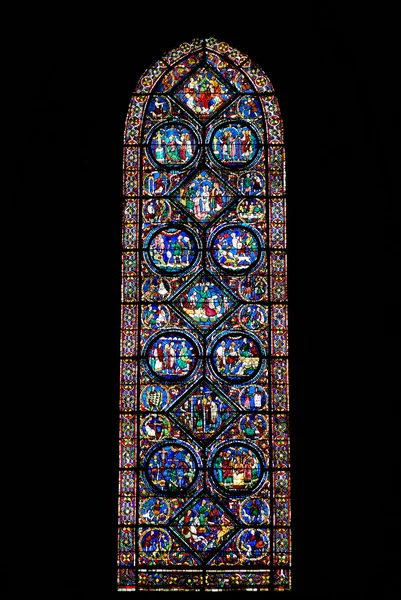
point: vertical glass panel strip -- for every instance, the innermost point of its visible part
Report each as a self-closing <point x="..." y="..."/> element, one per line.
<point x="204" y="489"/>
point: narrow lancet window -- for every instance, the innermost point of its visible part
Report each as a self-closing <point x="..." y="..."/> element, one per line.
<point x="204" y="488"/>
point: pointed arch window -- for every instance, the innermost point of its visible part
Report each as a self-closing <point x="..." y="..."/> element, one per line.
<point x="204" y="489"/>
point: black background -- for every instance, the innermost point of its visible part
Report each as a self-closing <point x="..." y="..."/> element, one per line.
<point x="334" y="71"/>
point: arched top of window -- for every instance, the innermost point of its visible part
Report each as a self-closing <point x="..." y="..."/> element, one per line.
<point x="215" y="64"/>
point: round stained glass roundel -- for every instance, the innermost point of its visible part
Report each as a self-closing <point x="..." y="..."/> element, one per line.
<point x="173" y="145"/>
<point x="172" y="356"/>
<point x="234" y="144"/>
<point x="236" y="468"/>
<point x="236" y="357"/>
<point x="171" y="468"/>
<point x="172" y="250"/>
<point x="155" y="542"/>
<point x="253" y="397"/>
<point x="253" y="543"/>
<point x="235" y="249"/>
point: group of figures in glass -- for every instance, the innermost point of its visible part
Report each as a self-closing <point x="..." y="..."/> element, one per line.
<point x="156" y="398"/>
<point x="234" y="357"/>
<point x="203" y="93"/>
<point x="172" y="468"/>
<point x="175" y="145"/>
<point x="204" y="527"/>
<point x="203" y="412"/>
<point x="235" y="248"/>
<point x="171" y="356"/>
<point x="237" y="468"/>
<point x="172" y="249"/>
<point x="172" y="145"/>
<point x="205" y="303"/>
<point x="236" y="144"/>
<point x="175" y="249"/>
<point x="253" y="511"/>
<point x="204" y="197"/>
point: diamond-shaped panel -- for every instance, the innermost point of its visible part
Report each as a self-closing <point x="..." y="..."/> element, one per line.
<point x="204" y="302"/>
<point x="204" y="196"/>
<point x="204" y="412"/>
<point x="204" y="525"/>
<point x="203" y="93"/>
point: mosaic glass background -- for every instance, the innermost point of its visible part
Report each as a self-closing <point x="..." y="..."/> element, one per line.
<point x="204" y="491"/>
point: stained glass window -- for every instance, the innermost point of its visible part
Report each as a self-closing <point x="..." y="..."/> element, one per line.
<point x="204" y="488"/>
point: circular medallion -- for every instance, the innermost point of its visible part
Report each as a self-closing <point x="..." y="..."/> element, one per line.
<point x="171" y="250"/>
<point x="236" y="357"/>
<point x="234" y="144"/>
<point x="235" y="249"/>
<point x="253" y="543"/>
<point x="171" y="468"/>
<point x="253" y="426"/>
<point x="155" y="542"/>
<point x="253" y="288"/>
<point x="251" y="183"/>
<point x="249" y="107"/>
<point x="156" y="184"/>
<point x="251" y="210"/>
<point x="253" y="397"/>
<point x="156" y="210"/>
<point x="159" y="107"/>
<point x="236" y="468"/>
<point x="154" y="510"/>
<point x="173" y="144"/>
<point x="255" y="511"/>
<point x="155" y="288"/>
<point x="172" y="356"/>
<point x="254" y="317"/>
<point x="154" y="397"/>
<point x="155" y="427"/>
<point x="155" y="316"/>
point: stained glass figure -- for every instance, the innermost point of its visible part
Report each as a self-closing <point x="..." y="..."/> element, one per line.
<point x="235" y="249"/>
<point x="171" y="250"/>
<point x="234" y="144"/>
<point x="205" y="302"/>
<point x="204" y="486"/>
<point x="236" y="357"/>
<point x="171" y="356"/>
<point x="204" y="196"/>
<point x="173" y="145"/>
<point x="203" y="93"/>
